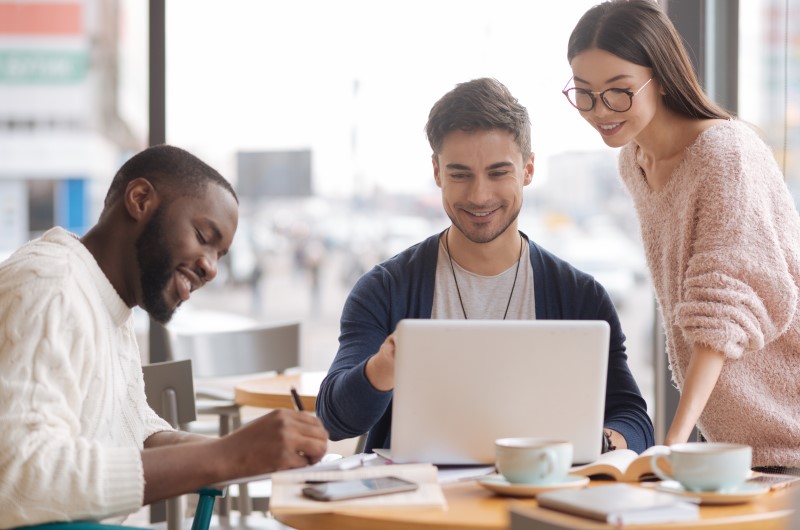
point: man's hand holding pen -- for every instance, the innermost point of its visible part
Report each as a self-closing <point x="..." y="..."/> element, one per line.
<point x="298" y="403"/>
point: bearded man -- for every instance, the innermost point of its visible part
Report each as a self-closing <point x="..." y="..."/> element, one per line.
<point x="77" y="438"/>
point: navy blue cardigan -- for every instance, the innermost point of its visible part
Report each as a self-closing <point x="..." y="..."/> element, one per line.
<point x="402" y="287"/>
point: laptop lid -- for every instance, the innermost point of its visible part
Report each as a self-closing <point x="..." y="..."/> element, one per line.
<point x="461" y="384"/>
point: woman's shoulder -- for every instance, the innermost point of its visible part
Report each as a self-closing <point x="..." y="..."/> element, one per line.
<point x="730" y="144"/>
<point x="730" y="161"/>
<point x="728" y="134"/>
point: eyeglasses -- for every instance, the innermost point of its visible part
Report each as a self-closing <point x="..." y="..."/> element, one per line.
<point x="616" y="99"/>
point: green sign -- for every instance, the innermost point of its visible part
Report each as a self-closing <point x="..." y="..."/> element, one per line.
<point x="42" y="67"/>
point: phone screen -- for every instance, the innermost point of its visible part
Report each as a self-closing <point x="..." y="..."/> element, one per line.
<point x="351" y="489"/>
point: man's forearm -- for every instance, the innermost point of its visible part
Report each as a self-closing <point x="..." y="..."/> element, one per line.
<point x="181" y="466"/>
<point x="176" y="462"/>
<point x="163" y="438"/>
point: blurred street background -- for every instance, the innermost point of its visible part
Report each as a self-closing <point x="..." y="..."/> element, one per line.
<point x="303" y="271"/>
<point x="315" y="112"/>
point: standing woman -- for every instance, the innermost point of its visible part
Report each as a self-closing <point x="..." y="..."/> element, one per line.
<point x="720" y="229"/>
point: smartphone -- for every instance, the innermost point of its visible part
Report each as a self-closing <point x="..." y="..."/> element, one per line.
<point x="351" y="489"/>
<point x="773" y="480"/>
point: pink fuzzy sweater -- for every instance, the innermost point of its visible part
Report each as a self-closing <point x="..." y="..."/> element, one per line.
<point x="722" y="240"/>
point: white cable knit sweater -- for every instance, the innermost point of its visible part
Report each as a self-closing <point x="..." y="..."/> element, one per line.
<point x="722" y="240"/>
<point x="73" y="414"/>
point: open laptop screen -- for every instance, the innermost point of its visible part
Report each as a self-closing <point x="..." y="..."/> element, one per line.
<point x="461" y="384"/>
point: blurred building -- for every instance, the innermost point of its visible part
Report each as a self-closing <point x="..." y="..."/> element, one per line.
<point x="582" y="184"/>
<point x="584" y="187"/>
<point x="273" y="174"/>
<point x="60" y="133"/>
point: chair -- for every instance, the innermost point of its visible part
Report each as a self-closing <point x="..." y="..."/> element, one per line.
<point x="222" y="357"/>
<point x="169" y="389"/>
<point x="273" y="346"/>
<point x="219" y="358"/>
<point x="170" y="393"/>
<point x="202" y="517"/>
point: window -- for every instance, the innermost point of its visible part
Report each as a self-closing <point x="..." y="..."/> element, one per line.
<point x="351" y="83"/>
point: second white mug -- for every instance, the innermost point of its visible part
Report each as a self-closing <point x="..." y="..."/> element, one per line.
<point x="706" y="466"/>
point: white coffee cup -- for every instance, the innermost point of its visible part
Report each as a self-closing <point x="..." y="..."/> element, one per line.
<point x="706" y="466"/>
<point x="533" y="460"/>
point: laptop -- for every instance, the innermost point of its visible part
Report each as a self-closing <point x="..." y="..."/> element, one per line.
<point x="461" y="384"/>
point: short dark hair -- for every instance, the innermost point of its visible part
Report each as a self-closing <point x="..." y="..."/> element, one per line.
<point x="640" y="32"/>
<point x="171" y="170"/>
<point x="480" y="104"/>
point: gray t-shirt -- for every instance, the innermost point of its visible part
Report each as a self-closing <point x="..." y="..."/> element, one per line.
<point x="484" y="297"/>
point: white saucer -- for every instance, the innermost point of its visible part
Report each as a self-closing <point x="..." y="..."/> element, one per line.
<point x="498" y="484"/>
<point x="744" y="493"/>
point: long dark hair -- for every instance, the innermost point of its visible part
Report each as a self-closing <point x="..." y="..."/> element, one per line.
<point x="640" y="32"/>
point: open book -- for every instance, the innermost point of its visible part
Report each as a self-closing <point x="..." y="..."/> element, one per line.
<point x="623" y="465"/>
<point x="287" y="489"/>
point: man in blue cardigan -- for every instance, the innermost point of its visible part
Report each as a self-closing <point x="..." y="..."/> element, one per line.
<point x="478" y="268"/>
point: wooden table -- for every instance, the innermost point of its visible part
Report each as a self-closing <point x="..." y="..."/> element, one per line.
<point x="273" y="392"/>
<point x="471" y="507"/>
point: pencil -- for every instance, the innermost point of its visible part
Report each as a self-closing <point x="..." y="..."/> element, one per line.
<point x="298" y="405"/>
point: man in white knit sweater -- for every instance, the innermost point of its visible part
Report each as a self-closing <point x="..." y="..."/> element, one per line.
<point x="77" y="439"/>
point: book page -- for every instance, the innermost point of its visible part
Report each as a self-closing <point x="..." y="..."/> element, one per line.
<point x="612" y="464"/>
<point x="622" y="464"/>
<point x="287" y="489"/>
<point x="641" y="468"/>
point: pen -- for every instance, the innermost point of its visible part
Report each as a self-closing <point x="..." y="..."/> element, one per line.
<point x="296" y="397"/>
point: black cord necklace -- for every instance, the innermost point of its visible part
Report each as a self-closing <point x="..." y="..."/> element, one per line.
<point x="453" y="270"/>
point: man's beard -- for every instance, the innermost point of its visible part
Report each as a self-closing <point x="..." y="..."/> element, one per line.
<point x="155" y="268"/>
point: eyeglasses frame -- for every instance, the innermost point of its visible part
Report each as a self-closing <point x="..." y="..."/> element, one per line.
<point x="600" y="95"/>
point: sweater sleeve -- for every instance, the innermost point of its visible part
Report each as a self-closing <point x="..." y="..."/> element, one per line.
<point x="347" y="404"/>
<point x="48" y="471"/>
<point x="738" y="292"/>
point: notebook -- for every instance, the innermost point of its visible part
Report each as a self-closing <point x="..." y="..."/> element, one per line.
<point x="621" y="505"/>
<point x="461" y="384"/>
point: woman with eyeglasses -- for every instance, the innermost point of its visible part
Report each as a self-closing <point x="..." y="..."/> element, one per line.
<point x="720" y="229"/>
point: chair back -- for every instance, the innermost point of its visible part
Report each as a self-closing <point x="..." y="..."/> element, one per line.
<point x="169" y="389"/>
<point x="223" y="350"/>
<point x="260" y="348"/>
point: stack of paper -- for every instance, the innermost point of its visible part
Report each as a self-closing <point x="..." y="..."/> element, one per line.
<point x="287" y="487"/>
